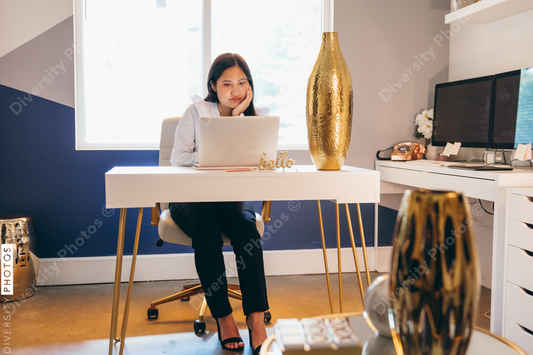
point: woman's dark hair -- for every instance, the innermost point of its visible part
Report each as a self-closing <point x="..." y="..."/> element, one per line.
<point x="221" y="63"/>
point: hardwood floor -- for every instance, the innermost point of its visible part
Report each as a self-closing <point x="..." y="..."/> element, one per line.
<point x="76" y="319"/>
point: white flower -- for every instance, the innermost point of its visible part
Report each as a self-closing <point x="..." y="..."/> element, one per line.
<point x="424" y="121"/>
<point x="426" y="128"/>
<point x="429" y="131"/>
<point x="418" y="119"/>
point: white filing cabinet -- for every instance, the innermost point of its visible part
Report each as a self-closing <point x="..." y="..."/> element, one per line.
<point x="519" y="286"/>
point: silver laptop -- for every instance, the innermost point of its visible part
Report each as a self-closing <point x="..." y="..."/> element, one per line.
<point x="237" y="142"/>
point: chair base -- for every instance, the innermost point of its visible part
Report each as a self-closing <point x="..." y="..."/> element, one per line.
<point x="191" y="290"/>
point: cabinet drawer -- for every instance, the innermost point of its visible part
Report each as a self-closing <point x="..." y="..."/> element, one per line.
<point x="521" y="235"/>
<point x="519" y="305"/>
<point x="471" y="187"/>
<point x="519" y="267"/>
<point x="521" y="208"/>
<point x="402" y="176"/>
<point x="519" y="336"/>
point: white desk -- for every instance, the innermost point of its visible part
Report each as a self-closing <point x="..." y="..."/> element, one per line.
<point x="145" y="186"/>
<point x="396" y="177"/>
<point x="138" y="187"/>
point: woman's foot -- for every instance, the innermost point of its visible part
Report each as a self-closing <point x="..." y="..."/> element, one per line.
<point x="227" y="329"/>
<point x="258" y="334"/>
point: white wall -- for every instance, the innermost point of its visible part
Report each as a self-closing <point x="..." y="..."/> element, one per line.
<point x="380" y="40"/>
<point x="500" y="46"/>
<point x="18" y="25"/>
<point x="382" y="43"/>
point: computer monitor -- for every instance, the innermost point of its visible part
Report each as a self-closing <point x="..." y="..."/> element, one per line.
<point x="462" y="112"/>
<point x="513" y="109"/>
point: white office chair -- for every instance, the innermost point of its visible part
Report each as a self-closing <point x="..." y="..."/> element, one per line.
<point x="170" y="232"/>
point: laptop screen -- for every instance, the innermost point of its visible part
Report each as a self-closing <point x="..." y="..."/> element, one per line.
<point x="237" y="141"/>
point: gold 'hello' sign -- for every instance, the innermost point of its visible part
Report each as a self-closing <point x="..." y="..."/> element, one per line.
<point x="281" y="161"/>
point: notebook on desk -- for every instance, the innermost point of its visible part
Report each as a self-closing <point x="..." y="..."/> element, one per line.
<point x="236" y="142"/>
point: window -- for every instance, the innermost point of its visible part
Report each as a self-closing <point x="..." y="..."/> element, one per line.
<point x="141" y="60"/>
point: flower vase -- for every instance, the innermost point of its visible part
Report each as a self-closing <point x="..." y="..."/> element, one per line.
<point x="434" y="275"/>
<point x="433" y="152"/>
<point x="329" y="106"/>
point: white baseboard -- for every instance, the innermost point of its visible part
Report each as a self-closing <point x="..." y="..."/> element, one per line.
<point x="485" y="267"/>
<point x="73" y="271"/>
<point x="384" y="260"/>
<point x="88" y="270"/>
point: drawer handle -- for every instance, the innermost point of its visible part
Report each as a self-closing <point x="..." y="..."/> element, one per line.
<point x="530" y="253"/>
<point x="527" y="291"/>
<point x="525" y="329"/>
<point x="530" y="226"/>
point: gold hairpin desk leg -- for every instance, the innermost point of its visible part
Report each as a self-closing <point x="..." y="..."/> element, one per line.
<point x="325" y="256"/>
<point x="354" y="250"/>
<point x="363" y="244"/>
<point x="118" y="273"/>
<point x="339" y="254"/>
<point x="130" y="283"/>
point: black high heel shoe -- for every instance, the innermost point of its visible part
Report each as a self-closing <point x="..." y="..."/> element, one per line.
<point x="257" y="350"/>
<point x="224" y="342"/>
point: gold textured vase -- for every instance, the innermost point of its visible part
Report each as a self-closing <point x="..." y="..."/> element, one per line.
<point x="15" y="233"/>
<point x="329" y="106"/>
<point x="434" y="275"/>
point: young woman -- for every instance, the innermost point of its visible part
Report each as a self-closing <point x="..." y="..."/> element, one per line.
<point x="230" y="89"/>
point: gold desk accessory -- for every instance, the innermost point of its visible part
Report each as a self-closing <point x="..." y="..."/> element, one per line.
<point x="434" y="285"/>
<point x="16" y="237"/>
<point x="329" y="106"/>
<point x="281" y="162"/>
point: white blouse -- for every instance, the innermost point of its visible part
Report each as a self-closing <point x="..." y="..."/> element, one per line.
<point x="186" y="139"/>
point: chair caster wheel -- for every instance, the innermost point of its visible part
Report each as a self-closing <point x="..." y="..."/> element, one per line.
<point x="185" y="299"/>
<point x="199" y="327"/>
<point x="268" y="317"/>
<point x="153" y="313"/>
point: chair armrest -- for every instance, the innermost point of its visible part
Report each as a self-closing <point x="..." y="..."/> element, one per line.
<point x="156" y="212"/>
<point x="265" y="213"/>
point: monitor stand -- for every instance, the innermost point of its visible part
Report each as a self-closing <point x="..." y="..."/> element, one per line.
<point x="500" y="157"/>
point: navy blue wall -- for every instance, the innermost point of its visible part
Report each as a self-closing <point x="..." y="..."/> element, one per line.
<point x="386" y="224"/>
<point x="42" y="175"/>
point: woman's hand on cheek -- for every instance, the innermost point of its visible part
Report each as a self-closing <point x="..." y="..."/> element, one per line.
<point x="244" y="103"/>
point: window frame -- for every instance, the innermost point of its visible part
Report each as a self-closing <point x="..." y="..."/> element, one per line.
<point x="79" y="82"/>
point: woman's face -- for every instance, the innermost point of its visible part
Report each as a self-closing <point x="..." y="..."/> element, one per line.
<point x="231" y="87"/>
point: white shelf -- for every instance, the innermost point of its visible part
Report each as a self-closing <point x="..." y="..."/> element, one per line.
<point x="487" y="11"/>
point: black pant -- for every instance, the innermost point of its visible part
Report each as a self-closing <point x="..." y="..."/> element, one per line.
<point x="204" y="222"/>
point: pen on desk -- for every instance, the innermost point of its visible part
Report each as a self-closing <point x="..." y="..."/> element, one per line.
<point x="244" y="169"/>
